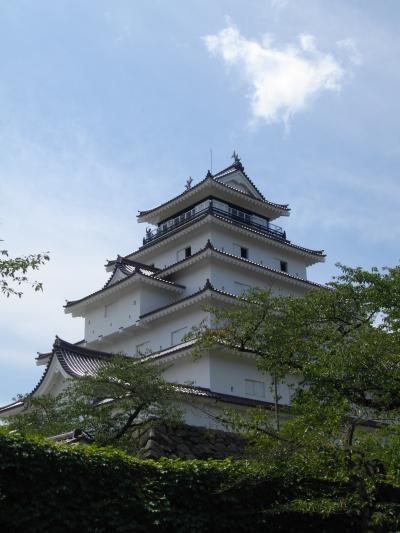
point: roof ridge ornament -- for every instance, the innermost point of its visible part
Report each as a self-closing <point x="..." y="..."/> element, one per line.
<point x="235" y="156"/>
<point x="57" y="342"/>
<point x="208" y="284"/>
<point x="237" y="163"/>
<point x="189" y="182"/>
<point x="209" y="175"/>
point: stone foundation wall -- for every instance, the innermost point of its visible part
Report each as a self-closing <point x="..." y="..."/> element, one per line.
<point x="189" y="442"/>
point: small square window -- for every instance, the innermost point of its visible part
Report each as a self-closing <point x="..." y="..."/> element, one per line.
<point x="254" y="388"/>
<point x="283" y="266"/>
<point x="244" y="252"/>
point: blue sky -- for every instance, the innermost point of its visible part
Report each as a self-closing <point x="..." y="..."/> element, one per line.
<point x="107" y="108"/>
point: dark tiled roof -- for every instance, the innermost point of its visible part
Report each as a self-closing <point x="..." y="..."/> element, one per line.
<point x="75" y="360"/>
<point x="9" y="406"/>
<point x="129" y="272"/>
<point x="128" y="267"/>
<point x="207" y="287"/>
<point x="237" y="166"/>
<point x="72" y="437"/>
<point x="209" y="246"/>
<point x="161" y="354"/>
<point x="78" y="361"/>
<point x="209" y="176"/>
<point x="317" y="253"/>
<point x="203" y="392"/>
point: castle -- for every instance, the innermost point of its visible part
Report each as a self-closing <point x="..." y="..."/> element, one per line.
<point x="206" y="246"/>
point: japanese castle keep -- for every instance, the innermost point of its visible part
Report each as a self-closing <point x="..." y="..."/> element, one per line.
<point x="206" y="246"/>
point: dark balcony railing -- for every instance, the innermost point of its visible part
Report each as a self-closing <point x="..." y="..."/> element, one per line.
<point x="236" y="215"/>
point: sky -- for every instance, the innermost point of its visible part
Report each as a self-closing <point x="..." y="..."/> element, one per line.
<point x="107" y="107"/>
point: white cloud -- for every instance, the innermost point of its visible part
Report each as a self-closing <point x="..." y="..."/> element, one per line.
<point x="349" y="45"/>
<point x="282" y="79"/>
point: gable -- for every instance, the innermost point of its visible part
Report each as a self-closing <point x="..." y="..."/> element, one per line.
<point x="238" y="180"/>
<point x="117" y="276"/>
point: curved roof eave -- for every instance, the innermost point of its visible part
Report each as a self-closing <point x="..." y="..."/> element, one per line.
<point x="317" y="255"/>
<point x="150" y="215"/>
<point x="108" y="289"/>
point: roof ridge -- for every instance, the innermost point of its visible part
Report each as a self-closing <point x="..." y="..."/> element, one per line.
<point x="210" y="246"/>
<point x="319" y="253"/>
<point x="212" y="177"/>
<point x="61" y="344"/>
<point x="206" y="287"/>
<point x="69" y="303"/>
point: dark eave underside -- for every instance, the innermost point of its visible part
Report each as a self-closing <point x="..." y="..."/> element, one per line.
<point x="119" y="282"/>
<point x="316" y="253"/>
<point x="281" y="207"/>
<point x="239" y="260"/>
<point x="207" y="288"/>
<point x="78" y="361"/>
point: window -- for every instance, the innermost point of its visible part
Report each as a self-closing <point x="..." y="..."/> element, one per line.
<point x="177" y="335"/>
<point x="240" y="251"/>
<point x="283" y="265"/>
<point x="143" y="348"/>
<point x="183" y="253"/>
<point x="254" y="388"/>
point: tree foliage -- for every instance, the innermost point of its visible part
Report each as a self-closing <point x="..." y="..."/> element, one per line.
<point x="338" y="350"/>
<point x="14" y="270"/>
<point x="122" y="395"/>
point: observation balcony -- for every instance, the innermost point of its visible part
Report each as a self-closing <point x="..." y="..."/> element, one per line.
<point x="239" y="217"/>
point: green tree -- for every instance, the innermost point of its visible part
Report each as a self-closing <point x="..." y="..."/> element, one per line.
<point x="338" y="349"/>
<point x="13" y="272"/>
<point x="122" y="396"/>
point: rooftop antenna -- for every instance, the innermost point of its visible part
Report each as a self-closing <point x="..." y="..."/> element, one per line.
<point x="211" y="159"/>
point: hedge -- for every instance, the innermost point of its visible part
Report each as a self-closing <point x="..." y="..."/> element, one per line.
<point x="45" y="487"/>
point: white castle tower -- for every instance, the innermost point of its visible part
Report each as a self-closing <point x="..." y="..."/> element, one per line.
<point x="209" y="244"/>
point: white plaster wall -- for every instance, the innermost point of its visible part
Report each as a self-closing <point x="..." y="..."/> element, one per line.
<point x="167" y="254"/>
<point x="152" y="298"/>
<point x="228" y="277"/>
<point x="193" y="277"/>
<point x="123" y="310"/>
<point x="202" y="413"/>
<point x="261" y="252"/>
<point x="158" y="332"/>
<point x="189" y="371"/>
<point x="229" y="371"/>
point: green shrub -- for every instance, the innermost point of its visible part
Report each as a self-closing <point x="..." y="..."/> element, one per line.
<point x="45" y="487"/>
